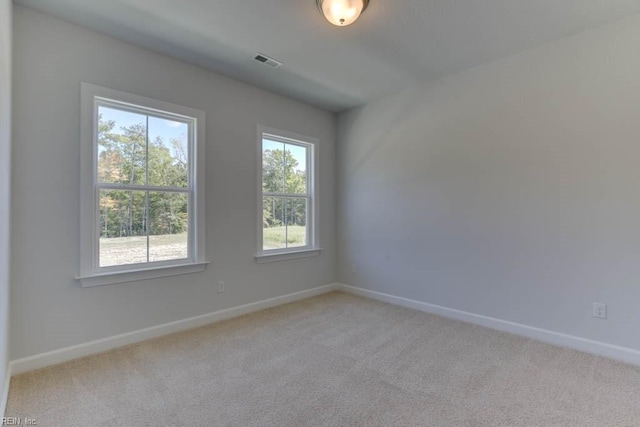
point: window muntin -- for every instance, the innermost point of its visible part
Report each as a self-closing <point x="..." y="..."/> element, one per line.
<point x="287" y="194"/>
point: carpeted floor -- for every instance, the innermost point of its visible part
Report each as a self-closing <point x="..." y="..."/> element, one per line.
<point x="333" y="360"/>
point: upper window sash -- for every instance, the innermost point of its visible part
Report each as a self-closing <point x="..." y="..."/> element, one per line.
<point x="308" y="164"/>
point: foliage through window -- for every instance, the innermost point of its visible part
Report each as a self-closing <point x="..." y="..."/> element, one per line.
<point x="287" y="194"/>
<point x="144" y="184"/>
<point x="143" y="169"/>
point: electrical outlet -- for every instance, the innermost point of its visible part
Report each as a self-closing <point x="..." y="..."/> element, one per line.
<point x="221" y="286"/>
<point x="354" y="269"/>
<point x="599" y="310"/>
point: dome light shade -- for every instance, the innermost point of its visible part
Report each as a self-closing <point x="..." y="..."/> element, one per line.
<point x="342" y="12"/>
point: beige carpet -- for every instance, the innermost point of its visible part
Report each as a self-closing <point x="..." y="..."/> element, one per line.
<point x="333" y="360"/>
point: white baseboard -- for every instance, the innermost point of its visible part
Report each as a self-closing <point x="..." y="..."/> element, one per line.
<point x="598" y="348"/>
<point x="98" y="346"/>
<point x="5" y="391"/>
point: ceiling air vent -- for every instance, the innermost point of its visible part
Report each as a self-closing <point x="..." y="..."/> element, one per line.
<point x="267" y="61"/>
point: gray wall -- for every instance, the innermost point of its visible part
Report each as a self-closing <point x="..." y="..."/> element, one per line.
<point x="52" y="57"/>
<point x="5" y="187"/>
<point x="511" y="190"/>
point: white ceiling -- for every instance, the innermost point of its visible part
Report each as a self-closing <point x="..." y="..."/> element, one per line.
<point x="395" y="44"/>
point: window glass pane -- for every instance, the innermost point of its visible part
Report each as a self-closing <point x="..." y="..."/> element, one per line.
<point x="168" y="153"/>
<point x="273" y="224"/>
<point x="122" y="142"/>
<point x="296" y="220"/>
<point x="272" y="166"/>
<point x="168" y="225"/>
<point x="123" y="237"/>
<point x="296" y="169"/>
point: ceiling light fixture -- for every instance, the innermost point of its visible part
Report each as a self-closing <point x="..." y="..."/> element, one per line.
<point x="342" y="12"/>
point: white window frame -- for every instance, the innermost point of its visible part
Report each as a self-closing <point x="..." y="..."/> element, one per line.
<point x="313" y="208"/>
<point x="91" y="274"/>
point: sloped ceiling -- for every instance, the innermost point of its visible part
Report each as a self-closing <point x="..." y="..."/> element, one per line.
<point x="395" y="44"/>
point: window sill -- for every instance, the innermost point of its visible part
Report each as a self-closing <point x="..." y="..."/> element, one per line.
<point x="285" y="256"/>
<point x="113" y="277"/>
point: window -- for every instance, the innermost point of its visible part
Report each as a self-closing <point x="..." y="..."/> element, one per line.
<point x="142" y="207"/>
<point x="287" y="203"/>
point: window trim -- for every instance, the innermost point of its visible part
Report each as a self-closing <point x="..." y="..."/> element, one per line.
<point x="90" y="273"/>
<point x="313" y="248"/>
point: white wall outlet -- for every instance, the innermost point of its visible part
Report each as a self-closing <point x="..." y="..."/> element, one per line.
<point x="354" y="269"/>
<point x="221" y="286"/>
<point x="599" y="310"/>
